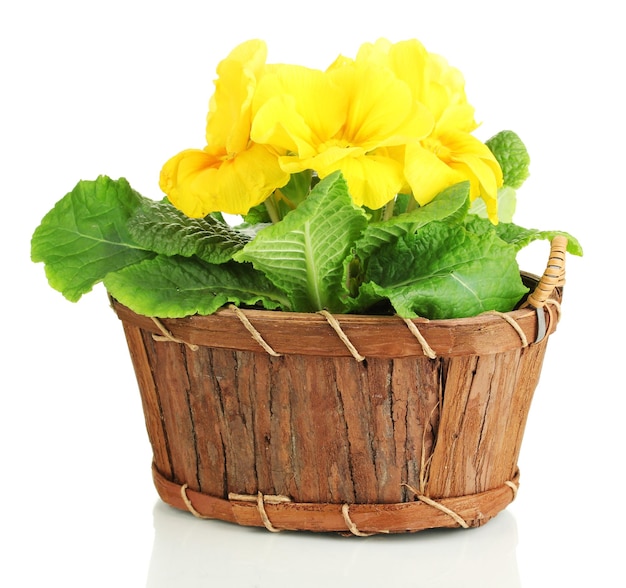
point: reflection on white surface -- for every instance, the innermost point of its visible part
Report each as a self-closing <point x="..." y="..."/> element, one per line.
<point x="191" y="552"/>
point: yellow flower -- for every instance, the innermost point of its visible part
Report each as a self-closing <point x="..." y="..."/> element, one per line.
<point x="394" y="119"/>
<point x="341" y="119"/>
<point x="231" y="174"/>
<point x="450" y="154"/>
<point x="198" y="182"/>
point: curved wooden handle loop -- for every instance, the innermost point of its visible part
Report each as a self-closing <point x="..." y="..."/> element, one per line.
<point x="554" y="274"/>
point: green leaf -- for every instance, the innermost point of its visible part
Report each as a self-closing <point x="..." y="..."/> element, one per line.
<point x="257" y="215"/>
<point x="172" y="287"/>
<point x="85" y="236"/>
<point x="297" y="188"/>
<point x="507" y="200"/>
<point x="160" y="227"/>
<point x="520" y="237"/>
<point x="511" y="154"/>
<point x="304" y="254"/>
<point x="451" y="204"/>
<point x="445" y="271"/>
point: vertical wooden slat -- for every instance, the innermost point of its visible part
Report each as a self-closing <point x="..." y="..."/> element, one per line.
<point x="388" y="474"/>
<point x="173" y="388"/>
<point x="285" y="479"/>
<point x="528" y="373"/>
<point x="254" y="390"/>
<point x="149" y="399"/>
<point x="461" y="399"/>
<point x="319" y="450"/>
<point x="420" y="378"/>
<point x="207" y="414"/>
<point x="353" y="390"/>
<point x="486" y="401"/>
<point x="236" y="422"/>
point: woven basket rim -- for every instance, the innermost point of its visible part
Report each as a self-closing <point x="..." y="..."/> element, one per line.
<point x="359" y="519"/>
<point x="369" y="335"/>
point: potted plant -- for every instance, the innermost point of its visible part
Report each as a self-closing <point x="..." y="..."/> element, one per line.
<point x="325" y="313"/>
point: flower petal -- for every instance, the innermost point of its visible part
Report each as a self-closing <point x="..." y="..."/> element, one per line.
<point x="278" y="123"/>
<point x="373" y="180"/>
<point x="228" y="121"/>
<point x="381" y="109"/>
<point x="198" y="183"/>
<point x="297" y="109"/>
<point x="427" y="174"/>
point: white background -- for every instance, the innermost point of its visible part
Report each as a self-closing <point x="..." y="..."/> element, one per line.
<point x="116" y="88"/>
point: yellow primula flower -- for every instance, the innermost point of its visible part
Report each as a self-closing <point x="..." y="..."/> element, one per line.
<point x="394" y="119"/>
<point x="450" y="158"/>
<point x="232" y="174"/>
<point x="341" y="119"/>
<point x="450" y="154"/>
<point x="198" y="182"/>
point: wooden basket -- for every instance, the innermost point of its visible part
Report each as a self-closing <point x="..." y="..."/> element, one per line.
<point x="353" y="424"/>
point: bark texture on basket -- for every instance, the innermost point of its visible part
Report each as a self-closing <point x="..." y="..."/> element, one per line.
<point x="325" y="428"/>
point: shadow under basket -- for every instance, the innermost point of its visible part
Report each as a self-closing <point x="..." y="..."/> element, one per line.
<point x="350" y="424"/>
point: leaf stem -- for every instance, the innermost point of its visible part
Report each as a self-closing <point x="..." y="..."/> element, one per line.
<point x="388" y="210"/>
<point x="411" y="205"/>
<point x="272" y="209"/>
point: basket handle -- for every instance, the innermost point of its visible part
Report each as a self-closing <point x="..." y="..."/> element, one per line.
<point x="553" y="276"/>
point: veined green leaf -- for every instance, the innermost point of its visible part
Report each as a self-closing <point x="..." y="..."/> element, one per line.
<point x="303" y="255"/>
<point x="85" y="236"/>
<point x="451" y="204"/>
<point x="172" y="287"/>
<point x="520" y="237"/>
<point x="511" y="154"/>
<point x="445" y="271"/>
<point x="160" y="227"/>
